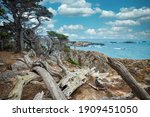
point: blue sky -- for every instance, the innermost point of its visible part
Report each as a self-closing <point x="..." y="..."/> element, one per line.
<point x="100" y="19"/>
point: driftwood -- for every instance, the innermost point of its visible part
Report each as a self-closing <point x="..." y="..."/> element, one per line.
<point x="71" y="80"/>
<point x="45" y="65"/>
<point x="25" y="62"/>
<point x="129" y="79"/>
<point x="60" y="64"/>
<point x="16" y="93"/>
<point x="28" y="61"/>
<point x="39" y="96"/>
<point x="94" y="87"/>
<point x="52" y="86"/>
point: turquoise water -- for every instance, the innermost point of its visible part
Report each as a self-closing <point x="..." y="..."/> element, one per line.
<point x="138" y="49"/>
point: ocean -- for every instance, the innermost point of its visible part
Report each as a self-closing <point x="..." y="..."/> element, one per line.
<point x="131" y="49"/>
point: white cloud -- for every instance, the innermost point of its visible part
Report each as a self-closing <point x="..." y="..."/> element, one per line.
<point x="124" y="29"/>
<point x="72" y="7"/>
<point x="46" y="26"/>
<point x="145" y="19"/>
<point x="90" y="31"/>
<point x="65" y="9"/>
<point x="72" y="36"/>
<point x="144" y="34"/>
<point x="128" y="13"/>
<point x="105" y="13"/>
<point x="70" y="28"/>
<point x="52" y="11"/>
<point x="109" y="33"/>
<point x="123" y="23"/>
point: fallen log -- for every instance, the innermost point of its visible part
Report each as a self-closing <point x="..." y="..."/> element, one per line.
<point x="45" y="65"/>
<point x="52" y="86"/>
<point x="129" y="79"/>
<point x="71" y="80"/>
<point x="16" y="93"/>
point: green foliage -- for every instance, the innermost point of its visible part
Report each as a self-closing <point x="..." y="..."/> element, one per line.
<point x="66" y="48"/>
<point x="3" y="34"/>
<point x="74" y="62"/>
<point x="59" y="36"/>
<point x="2" y="11"/>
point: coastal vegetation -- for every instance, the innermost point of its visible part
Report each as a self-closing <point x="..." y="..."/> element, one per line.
<point x="45" y="67"/>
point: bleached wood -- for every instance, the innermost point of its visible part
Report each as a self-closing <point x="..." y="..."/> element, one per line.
<point x="51" y="84"/>
<point x="129" y="79"/>
<point x="16" y="92"/>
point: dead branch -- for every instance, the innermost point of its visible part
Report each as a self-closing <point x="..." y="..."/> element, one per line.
<point x="129" y="79"/>
<point x="60" y="64"/>
<point x="16" y="93"/>
<point x="94" y="87"/>
<point x="52" y="71"/>
<point x="52" y="86"/>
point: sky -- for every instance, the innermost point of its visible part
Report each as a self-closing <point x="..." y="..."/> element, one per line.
<point x="99" y="19"/>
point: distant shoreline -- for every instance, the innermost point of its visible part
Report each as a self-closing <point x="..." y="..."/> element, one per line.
<point x="130" y="49"/>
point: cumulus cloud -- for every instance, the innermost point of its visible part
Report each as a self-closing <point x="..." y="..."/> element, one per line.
<point x="128" y="13"/>
<point x="123" y="23"/>
<point x="144" y="34"/>
<point x="114" y="32"/>
<point x="144" y="19"/>
<point x="72" y="7"/>
<point x="124" y="29"/>
<point x="70" y="28"/>
<point x="105" y="13"/>
<point x="91" y="31"/>
<point x="65" y="9"/>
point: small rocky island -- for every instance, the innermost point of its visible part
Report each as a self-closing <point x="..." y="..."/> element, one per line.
<point x="84" y="43"/>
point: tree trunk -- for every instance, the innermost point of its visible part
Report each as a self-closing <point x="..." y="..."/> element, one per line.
<point x="19" y="41"/>
<point x="129" y="79"/>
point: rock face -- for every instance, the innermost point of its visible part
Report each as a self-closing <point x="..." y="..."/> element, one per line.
<point x="90" y="59"/>
<point x="140" y="69"/>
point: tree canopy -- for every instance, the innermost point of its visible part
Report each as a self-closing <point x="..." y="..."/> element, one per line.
<point x="16" y="14"/>
<point x="59" y="36"/>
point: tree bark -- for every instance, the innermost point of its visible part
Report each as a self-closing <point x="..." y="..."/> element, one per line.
<point x="16" y="93"/>
<point x="19" y="41"/>
<point x="52" y="86"/>
<point x="129" y="79"/>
